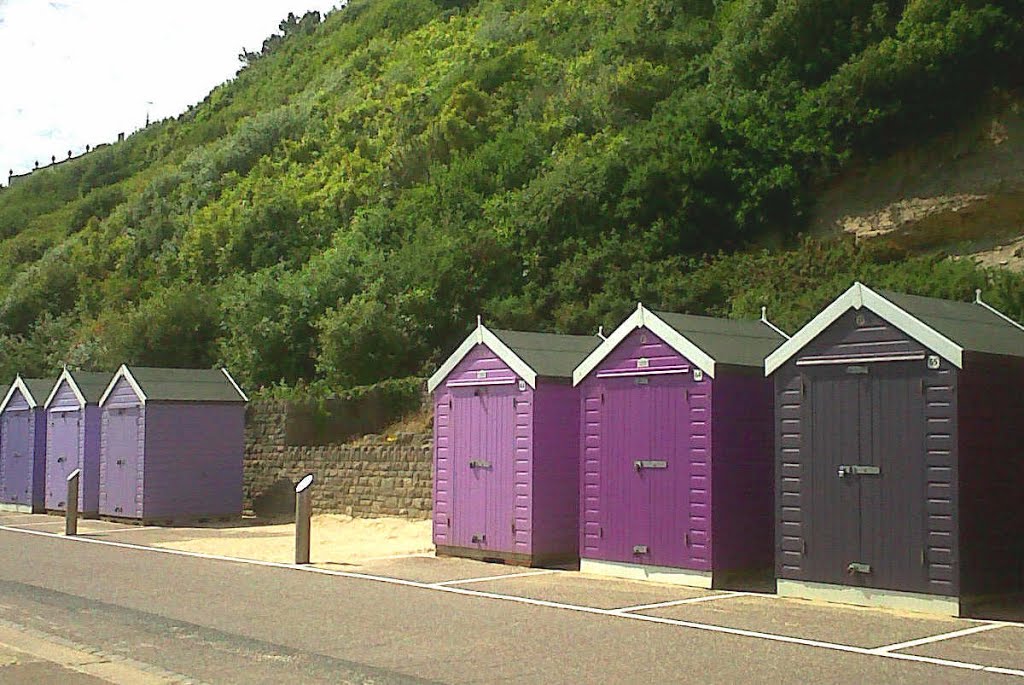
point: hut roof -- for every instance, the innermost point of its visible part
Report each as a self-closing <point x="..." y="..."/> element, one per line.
<point x="35" y="390"/>
<point x="706" y="341"/>
<point x="946" y="327"/>
<point x="530" y="355"/>
<point x="178" y="385"/>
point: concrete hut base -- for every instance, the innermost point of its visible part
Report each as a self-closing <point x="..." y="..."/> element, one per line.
<point x="18" y="508"/>
<point x="657" y="574"/>
<point x="870" y="597"/>
<point x="510" y="558"/>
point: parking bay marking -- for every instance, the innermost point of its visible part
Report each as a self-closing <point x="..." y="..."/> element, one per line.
<point x="482" y="579"/>
<point x="676" y="602"/>
<point x="963" y="665"/>
<point x="940" y="638"/>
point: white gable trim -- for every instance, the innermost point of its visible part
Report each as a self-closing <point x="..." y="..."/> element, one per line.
<point x="645" y="318"/>
<point x="126" y="374"/>
<point x="19" y="384"/>
<point x="856" y="297"/>
<point x="237" y="387"/>
<point x="66" y="376"/>
<point x="482" y="336"/>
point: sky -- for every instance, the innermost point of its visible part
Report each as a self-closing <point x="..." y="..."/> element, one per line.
<point x="78" y="72"/>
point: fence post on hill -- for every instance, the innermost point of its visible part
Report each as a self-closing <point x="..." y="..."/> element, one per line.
<point x="71" y="504"/>
<point x="303" y="514"/>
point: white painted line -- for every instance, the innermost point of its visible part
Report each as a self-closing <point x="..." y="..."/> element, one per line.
<point x="676" y="602"/>
<point x="40" y="523"/>
<point x="483" y="579"/>
<point x="939" y="638"/>
<point x="540" y="602"/>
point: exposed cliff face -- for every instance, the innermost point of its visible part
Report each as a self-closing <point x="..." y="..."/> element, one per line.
<point x="962" y="193"/>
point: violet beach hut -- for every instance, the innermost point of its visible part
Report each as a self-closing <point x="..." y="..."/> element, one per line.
<point x="171" y="445"/>
<point x="506" y="453"/>
<point x="900" y="453"/>
<point x="73" y="439"/>
<point x="23" y="445"/>
<point x="677" y="450"/>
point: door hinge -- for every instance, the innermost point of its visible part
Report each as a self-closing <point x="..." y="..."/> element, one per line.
<point x="803" y="547"/>
<point x="803" y="387"/>
<point x="924" y="557"/>
<point x="602" y="398"/>
<point x="920" y="387"/>
<point x="686" y="538"/>
<point x="600" y="532"/>
<point x="513" y="527"/>
<point x="449" y="403"/>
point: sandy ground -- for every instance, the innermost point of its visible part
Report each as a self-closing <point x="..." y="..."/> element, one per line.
<point x="335" y="539"/>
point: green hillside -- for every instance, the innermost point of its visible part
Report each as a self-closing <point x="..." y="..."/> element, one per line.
<point x="341" y="210"/>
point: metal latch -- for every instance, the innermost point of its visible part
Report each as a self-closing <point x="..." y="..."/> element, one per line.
<point x="479" y="464"/>
<point x="478" y="538"/>
<point x="857" y="567"/>
<point x="650" y="464"/>
<point x="858" y="470"/>
<point x="639" y="549"/>
<point x="120" y="462"/>
<point x="60" y="460"/>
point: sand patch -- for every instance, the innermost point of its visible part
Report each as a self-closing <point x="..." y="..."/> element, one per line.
<point x="335" y="539"/>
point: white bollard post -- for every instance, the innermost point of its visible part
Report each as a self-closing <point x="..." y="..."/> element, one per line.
<point x="303" y="514"/>
<point x="71" y="503"/>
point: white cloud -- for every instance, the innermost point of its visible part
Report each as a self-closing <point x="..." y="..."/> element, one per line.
<point x="79" y="72"/>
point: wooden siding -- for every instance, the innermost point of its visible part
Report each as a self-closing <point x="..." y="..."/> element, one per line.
<point x="110" y="494"/>
<point x="662" y="417"/>
<point x="743" y="470"/>
<point x="806" y="519"/>
<point x="991" y="443"/>
<point x="123" y="395"/>
<point x="193" y="460"/>
<point x="469" y="418"/>
<point x="555" y="471"/>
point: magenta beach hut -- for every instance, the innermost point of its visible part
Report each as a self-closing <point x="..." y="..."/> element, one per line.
<point x="677" y="430"/>
<point x="899" y="469"/>
<point x="506" y="451"/>
<point x="171" y="445"/>
<point x="23" y="445"/>
<point x="73" y="439"/>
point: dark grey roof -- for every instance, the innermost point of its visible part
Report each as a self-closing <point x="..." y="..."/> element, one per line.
<point x="40" y="388"/>
<point x="91" y="383"/>
<point x="971" y="326"/>
<point x="185" y="385"/>
<point x="732" y="342"/>
<point x="549" y="354"/>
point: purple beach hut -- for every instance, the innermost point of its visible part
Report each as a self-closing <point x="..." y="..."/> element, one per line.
<point x="900" y="453"/>
<point x="506" y="449"/>
<point x="676" y="431"/>
<point x="171" y="445"/>
<point x="23" y="445"/>
<point x="73" y="439"/>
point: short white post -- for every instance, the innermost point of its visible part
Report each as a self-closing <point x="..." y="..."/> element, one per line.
<point x="303" y="514"/>
<point x="71" y="504"/>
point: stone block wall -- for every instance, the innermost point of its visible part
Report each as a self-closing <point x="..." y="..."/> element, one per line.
<point x="374" y="476"/>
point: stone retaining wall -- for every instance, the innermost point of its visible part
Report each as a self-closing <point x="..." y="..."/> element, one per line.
<point x="374" y="476"/>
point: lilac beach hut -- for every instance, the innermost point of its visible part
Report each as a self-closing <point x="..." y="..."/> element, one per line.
<point x="506" y="450"/>
<point x="23" y="445"/>
<point x="171" y="445"/>
<point x="676" y="432"/>
<point x="73" y="439"/>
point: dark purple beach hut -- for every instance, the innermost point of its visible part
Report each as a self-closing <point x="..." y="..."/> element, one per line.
<point x="73" y="439"/>
<point x="900" y="453"/>
<point x="677" y="449"/>
<point x="506" y="449"/>
<point x="171" y="445"/>
<point x="23" y="445"/>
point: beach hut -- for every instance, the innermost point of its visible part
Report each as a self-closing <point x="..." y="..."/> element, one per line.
<point x="900" y="453"/>
<point x="171" y="445"/>
<point x="506" y="450"/>
<point x="73" y="439"/>
<point x="677" y="450"/>
<point x="23" y="445"/>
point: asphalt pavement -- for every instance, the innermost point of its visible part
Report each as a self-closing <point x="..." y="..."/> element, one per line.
<point x="192" y="619"/>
